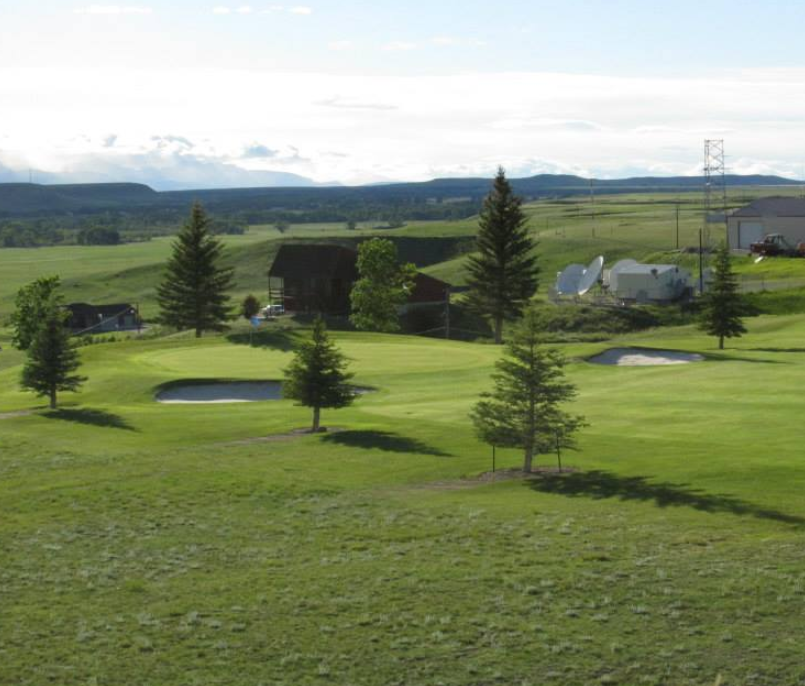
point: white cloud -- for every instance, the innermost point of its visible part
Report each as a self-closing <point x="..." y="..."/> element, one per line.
<point x="452" y="41"/>
<point x="398" y="127"/>
<point x="338" y="45"/>
<point x="273" y="9"/>
<point x="399" y="46"/>
<point x="113" y="10"/>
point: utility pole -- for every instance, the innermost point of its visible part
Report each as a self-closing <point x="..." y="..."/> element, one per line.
<point x="677" y="224"/>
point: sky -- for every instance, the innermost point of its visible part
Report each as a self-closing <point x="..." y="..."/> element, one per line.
<point x="190" y="94"/>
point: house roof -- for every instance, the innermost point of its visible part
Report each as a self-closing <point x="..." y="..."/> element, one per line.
<point x="773" y="207"/>
<point x="648" y="269"/>
<point x="104" y="311"/>
<point x="317" y="261"/>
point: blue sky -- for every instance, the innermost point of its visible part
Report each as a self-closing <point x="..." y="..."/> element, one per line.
<point x="184" y="93"/>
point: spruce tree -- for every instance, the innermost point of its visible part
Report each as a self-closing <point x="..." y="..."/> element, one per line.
<point x="51" y="360"/>
<point x="723" y="304"/>
<point x="503" y="275"/>
<point x="383" y="285"/>
<point x="193" y="293"/>
<point x="317" y="376"/>
<point x="525" y="408"/>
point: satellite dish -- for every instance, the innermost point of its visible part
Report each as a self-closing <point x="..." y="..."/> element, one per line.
<point x="567" y="282"/>
<point x="592" y="276"/>
<point x="617" y="269"/>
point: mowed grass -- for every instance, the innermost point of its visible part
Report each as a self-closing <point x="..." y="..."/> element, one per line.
<point x="149" y="544"/>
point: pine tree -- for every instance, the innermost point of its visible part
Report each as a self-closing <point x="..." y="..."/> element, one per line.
<point x="317" y="376"/>
<point x="31" y="305"/>
<point x="524" y="409"/>
<point x="503" y="275"/>
<point x="383" y="285"/>
<point x="723" y="304"/>
<point x="51" y="359"/>
<point x="193" y="294"/>
<point x="250" y="307"/>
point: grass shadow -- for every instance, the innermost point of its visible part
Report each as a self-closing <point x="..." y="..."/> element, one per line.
<point x="722" y="357"/>
<point x="281" y="339"/>
<point x="385" y="441"/>
<point x="778" y="350"/>
<point x="90" y="417"/>
<point x="600" y="485"/>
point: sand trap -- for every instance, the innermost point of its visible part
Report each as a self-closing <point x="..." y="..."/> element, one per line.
<point x="643" y="357"/>
<point x="231" y="392"/>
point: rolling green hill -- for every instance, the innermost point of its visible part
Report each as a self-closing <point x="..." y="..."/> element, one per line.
<point x="144" y="543"/>
<point x="640" y="226"/>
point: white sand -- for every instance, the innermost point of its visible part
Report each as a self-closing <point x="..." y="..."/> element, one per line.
<point x="236" y="392"/>
<point x="642" y="357"/>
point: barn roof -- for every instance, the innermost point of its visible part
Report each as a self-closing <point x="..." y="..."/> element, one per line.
<point x="773" y="207"/>
<point x="317" y="261"/>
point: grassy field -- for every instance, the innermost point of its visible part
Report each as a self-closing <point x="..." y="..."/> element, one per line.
<point x="165" y="545"/>
<point x="641" y="226"/>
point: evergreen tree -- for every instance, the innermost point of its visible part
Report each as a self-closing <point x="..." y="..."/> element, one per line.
<point x="524" y="409"/>
<point x="723" y="304"/>
<point x="503" y="275"/>
<point x="52" y="359"/>
<point x="317" y="376"/>
<point x="193" y="294"/>
<point x="250" y="307"/>
<point x="31" y="305"/>
<point x="383" y="285"/>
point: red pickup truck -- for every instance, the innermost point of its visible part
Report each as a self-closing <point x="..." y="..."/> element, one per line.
<point x="775" y="245"/>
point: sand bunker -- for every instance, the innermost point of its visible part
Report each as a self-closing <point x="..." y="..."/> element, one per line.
<point x="229" y="392"/>
<point x="643" y="357"/>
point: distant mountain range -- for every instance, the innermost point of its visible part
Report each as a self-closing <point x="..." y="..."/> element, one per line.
<point x="26" y="199"/>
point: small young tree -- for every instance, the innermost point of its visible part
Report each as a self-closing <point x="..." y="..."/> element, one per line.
<point x="193" y="294"/>
<point x="31" y="305"/>
<point x="52" y="360"/>
<point x="383" y="285"/>
<point x="723" y="304"/>
<point x="250" y="307"/>
<point x="503" y="275"/>
<point x="317" y="376"/>
<point x="525" y="408"/>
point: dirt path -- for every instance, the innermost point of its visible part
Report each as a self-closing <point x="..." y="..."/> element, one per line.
<point x="283" y="438"/>
<point x="19" y="413"/>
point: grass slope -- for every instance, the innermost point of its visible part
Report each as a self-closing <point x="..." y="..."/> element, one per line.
<point x="145" y="544"/>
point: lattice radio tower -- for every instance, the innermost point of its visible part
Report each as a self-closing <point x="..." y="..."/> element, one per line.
<point x="715" y="184"/>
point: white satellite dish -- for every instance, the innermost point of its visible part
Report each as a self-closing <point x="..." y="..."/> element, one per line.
<point x="617" y="268"/>
<point x="592" y="276"/>
<point x="567" y="282"/>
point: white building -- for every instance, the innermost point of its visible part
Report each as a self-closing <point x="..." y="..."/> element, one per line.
<point x="646" y="283"/>
<point x="760" y="218"/>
